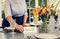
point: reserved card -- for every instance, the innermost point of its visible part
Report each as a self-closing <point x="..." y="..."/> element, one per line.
<point x="30" y="29"/>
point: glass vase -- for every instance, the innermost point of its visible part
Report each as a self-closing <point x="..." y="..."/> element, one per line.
<point x="44" y="27"/>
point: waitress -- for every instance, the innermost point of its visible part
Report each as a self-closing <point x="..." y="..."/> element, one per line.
<point x="15" y="13"/>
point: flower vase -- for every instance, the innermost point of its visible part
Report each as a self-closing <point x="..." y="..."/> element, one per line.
<point x="44" y="27"/>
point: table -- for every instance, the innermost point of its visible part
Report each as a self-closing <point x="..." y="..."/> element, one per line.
<point x="4" y="35"/>
<point x="10" y="35"/>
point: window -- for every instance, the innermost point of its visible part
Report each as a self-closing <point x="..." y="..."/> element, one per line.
<point x="31" y="5"/>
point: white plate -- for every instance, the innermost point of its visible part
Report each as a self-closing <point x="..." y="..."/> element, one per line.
<point x="46" y="36"/>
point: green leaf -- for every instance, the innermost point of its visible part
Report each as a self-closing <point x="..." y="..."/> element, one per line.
<point x="53" y="12"/>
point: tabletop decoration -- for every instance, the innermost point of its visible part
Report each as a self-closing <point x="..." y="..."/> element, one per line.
<point x="43" y="13"/>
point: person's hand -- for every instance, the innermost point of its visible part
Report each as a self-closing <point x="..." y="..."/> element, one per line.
<point x="19" y="27"/>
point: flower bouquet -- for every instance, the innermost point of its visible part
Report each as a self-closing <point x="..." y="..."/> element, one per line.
<point x="44" y="13"/>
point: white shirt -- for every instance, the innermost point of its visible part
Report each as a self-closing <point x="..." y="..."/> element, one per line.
<point x="15" y="8"/>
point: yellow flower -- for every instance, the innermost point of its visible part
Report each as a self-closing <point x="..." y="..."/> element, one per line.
<point x="43" y="11"/>
<point x="35" y="13"/>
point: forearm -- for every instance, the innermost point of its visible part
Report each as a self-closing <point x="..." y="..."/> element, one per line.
<point x="10" y="20"/>
<point x="25" y="19"/>
<point x="18" y="27"/>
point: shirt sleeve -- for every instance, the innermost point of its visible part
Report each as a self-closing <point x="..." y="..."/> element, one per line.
<point x="26" y="13"/>
<point x="7" y="10"/>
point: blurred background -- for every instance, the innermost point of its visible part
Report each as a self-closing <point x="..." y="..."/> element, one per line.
<point x="31" y="4"/>
<point x="52" y="22"/>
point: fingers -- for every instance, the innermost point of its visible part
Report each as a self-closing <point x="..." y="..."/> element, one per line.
<point x="21" y="28"/>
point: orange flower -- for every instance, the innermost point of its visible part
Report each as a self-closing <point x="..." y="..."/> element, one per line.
<point x="48" y="6"/>
<point x="37" y="9"/>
